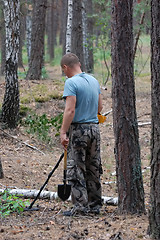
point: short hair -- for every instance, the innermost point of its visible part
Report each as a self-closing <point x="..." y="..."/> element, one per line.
<point x="69" y="59"/>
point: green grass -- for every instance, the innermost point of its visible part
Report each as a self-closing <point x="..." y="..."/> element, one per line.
<point x="40" y="93"/>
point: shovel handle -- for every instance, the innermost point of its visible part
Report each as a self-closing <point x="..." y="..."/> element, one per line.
<point x="65" y="159"/>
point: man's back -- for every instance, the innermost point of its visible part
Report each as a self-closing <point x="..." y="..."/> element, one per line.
<point x="86" y="89"/>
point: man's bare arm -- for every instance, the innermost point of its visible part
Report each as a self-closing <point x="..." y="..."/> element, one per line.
<point x="100" y="103"/>
<point x="68" y="116"/>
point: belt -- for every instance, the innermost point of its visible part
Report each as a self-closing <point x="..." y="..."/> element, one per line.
<point x="76" y="123"/>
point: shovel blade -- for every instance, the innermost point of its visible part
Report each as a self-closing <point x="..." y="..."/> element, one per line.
<point x="64" y="191"/>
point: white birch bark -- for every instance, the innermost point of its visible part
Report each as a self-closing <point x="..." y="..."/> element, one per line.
<point x="69" y="26"/>
<point x="10" y="108"/>
<point x="52" y="195"/>
<point x="11" y="12"/>
<point x="28" y="30"/>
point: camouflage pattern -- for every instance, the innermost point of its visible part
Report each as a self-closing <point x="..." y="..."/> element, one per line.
<point x="84" y="165"/>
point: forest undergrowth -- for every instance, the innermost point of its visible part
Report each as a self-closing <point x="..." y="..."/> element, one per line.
<point x="27" y="167"/>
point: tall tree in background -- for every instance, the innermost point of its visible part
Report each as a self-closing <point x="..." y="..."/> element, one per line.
<point x="10" y="107"/>
<point x="89" y="15"/>
<point x="127" y="149"/>
<point x="69" y="26"/>
<point x="85" y="35"/>
<point x="37" y="40"/>
<point x="3" y="39"/>
<point x="154" y="215"/>
<point x="64" y="16"/>
<point x="28" y="27"/>
<point x="52" y="26"/>
<point x="22" y="31"/>
<point x="77" y="32"/>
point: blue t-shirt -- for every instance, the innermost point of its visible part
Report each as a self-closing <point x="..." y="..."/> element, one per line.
<point x="86" y="89"/>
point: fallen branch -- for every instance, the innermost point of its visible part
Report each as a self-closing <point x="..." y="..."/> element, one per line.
<point x="106" y="113"/>
<point x="19" y="140"/>
<point x="51" y="195"/>
<point x="144" y="124"/>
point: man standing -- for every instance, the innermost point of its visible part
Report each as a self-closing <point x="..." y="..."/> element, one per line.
<point x="80" y="135"/>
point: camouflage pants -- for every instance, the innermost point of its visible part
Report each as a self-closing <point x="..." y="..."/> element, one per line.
<point x="84" y="165"/>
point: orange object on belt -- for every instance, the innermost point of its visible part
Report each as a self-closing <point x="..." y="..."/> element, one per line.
<point x="101" y="118"/>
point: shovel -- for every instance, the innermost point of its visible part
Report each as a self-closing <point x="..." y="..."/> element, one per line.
<point x="64" y="190"/>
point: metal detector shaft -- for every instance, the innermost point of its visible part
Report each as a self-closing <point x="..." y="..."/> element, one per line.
<point x="50" y="174"/>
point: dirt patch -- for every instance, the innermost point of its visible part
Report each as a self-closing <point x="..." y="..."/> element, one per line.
<point x="28" y="168"/>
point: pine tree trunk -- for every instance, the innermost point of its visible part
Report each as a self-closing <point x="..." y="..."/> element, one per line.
<point x="22" y="33"/>
<point x="89" y="11"/>
<point x="77" y="32"/>
<point x="37" y="40"/>
<point x="10" y="107"/>
<point x="127" y="149"/>
<point x="49" y="27"/>
<point x="154" y="214"/>
<point x="85" y="36"/>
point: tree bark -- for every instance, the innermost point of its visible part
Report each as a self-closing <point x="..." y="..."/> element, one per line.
<point x="69" y="26"/>
<point x="77" y="32"/>
<point x="28" y="28"/>
<point x="64" y="25"/>
<point x="10" y="107"/>
<point x="3" y="45"/>
<point x="22" y="32"/>
<point x="50" y="26"/>
<point x="127" y="149"/>
<point x="154" y="213"/>
<point x="88" y="35"/>
<point x="37" y="40"/>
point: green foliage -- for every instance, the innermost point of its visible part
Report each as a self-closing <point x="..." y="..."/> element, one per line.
<point x="23" y="110"/>
<point x="41" y="125"/>
<point x="139" y="9"/>
<point x="10" y="203"/>
<point x="44" y="73"/>
<point x="21" y="75"/>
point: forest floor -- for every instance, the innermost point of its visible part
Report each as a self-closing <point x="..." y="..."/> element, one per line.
<point x="28" y="168"/>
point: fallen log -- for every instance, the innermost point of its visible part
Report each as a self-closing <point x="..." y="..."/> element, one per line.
<point x="32" y="193"/>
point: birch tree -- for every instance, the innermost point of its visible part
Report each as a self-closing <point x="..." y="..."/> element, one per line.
<point x="127" y="149"/>
<point x="28" y="27"/>
<point x="154" y="214"/>
<point x="10" y="107"/>
<point x="69" y="26"/>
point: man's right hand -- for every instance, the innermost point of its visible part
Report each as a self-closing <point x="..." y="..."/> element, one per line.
<point x="64" y="140"/>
